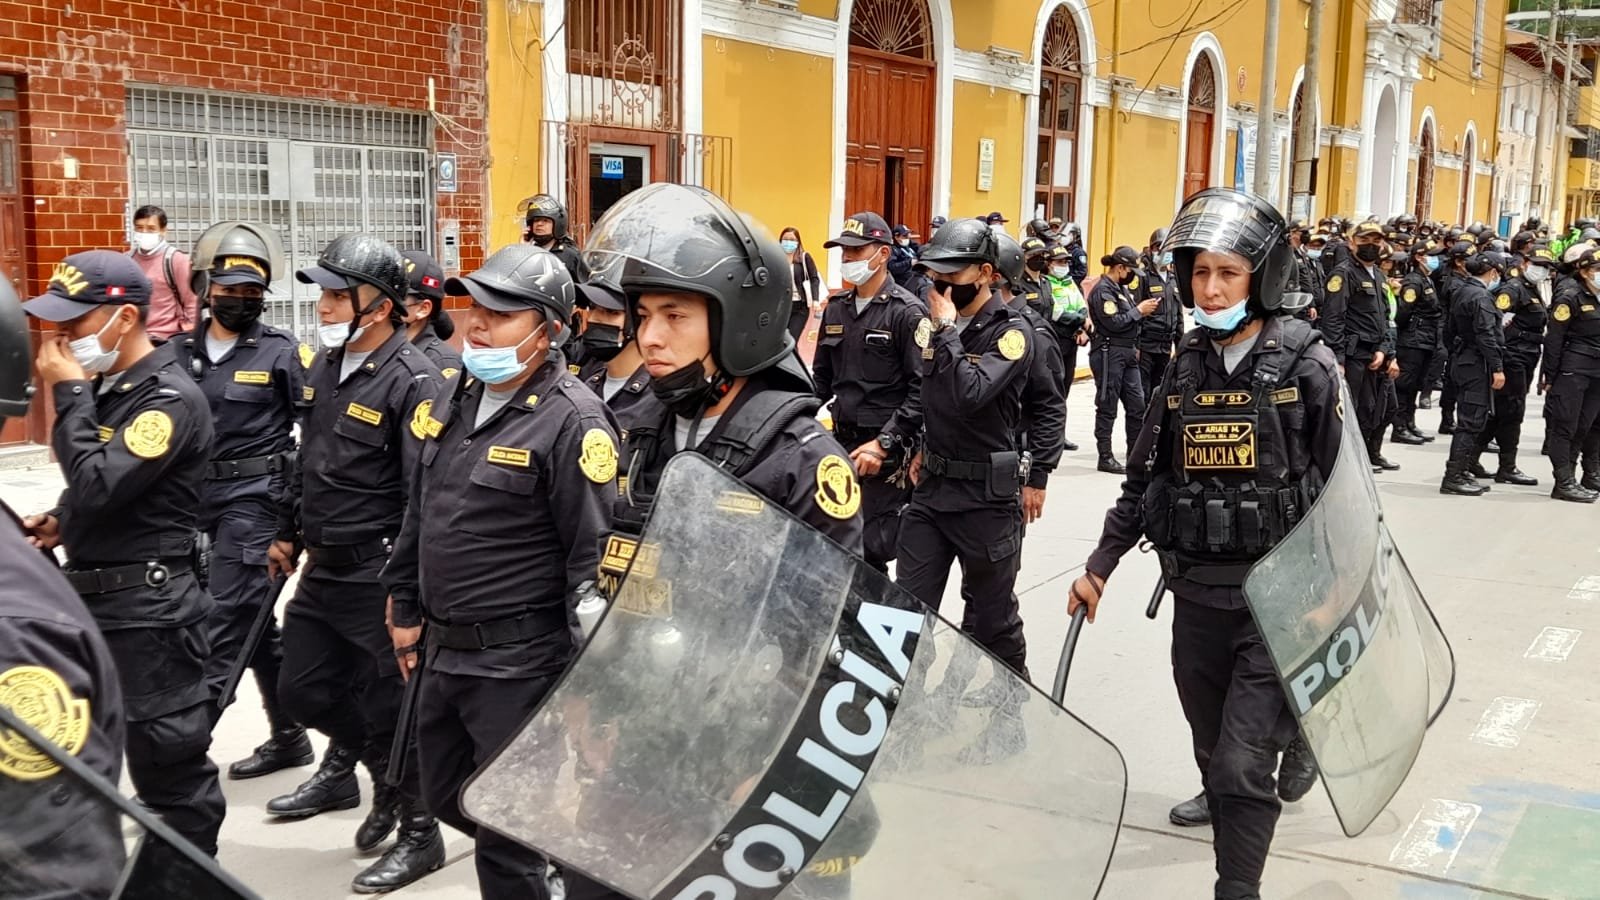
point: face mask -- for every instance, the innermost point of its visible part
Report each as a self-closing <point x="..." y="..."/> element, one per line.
<point x="602" y="342"/>
<point x="1166" y="259"/>
<point x="495" y="365"/>
<point x="961" y="295"/>
<point x="1432" y="264"/>
<point x="1314" y="253"/>
<point x="146" y="241"/>
<point x="1060" y="271"/>
<point x="91" y="356"/>
<point x="1537" y="274"/>
<point x="1038" y="264"/>
<point x="1223" y="324"/>
<point x="857" y="272"/>
<point x="789" y="246"/>
<point x="904" y="242"/>
<point x="1369" y="253"/>
<point x="1126" y="279"/>
<point x="338" y="334"/>
<point x="1593" y="281"/>
<point x="1492" y="283"/>
<point x="687" y="391"/>
<point x="236" y="314"/>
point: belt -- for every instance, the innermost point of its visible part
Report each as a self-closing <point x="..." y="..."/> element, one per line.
<point x="88" y="582"/>
<point x="251" y="467"/>
<point x="496" y="632"/>
<point x="1107" y="343"/>
<point x="350" y="554"/>
<point x="960" y="469"/>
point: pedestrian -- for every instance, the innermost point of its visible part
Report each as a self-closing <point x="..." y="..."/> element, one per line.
<point x="1160" y="330"/>
<point x="546" y="226"/>
<point x="1113" y="351"/>
<point x="501" y="538"/>
<point x="1059" y="303"/>
<point x="869" y="364"/>
<point x="1418" y="317"/>
<point x="613" y="366"/>
<point x="172" y="300"/>
<point x="369" y="394"/>
<point x="1570" y="373"/>
<point x="253" y="380"/>
<point x="805" y="285"/>
<point x="1520" y="301"/>
<point x="1476" y="366"/>
<point x="428" y="325"/>
<point x="1231" y="269"/>
<point x="133" y="435"/>
<point x="1355" y="325"/>
<point x="903" y="259"/>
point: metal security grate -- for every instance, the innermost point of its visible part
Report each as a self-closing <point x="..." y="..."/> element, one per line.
<point x="313" y="171"/>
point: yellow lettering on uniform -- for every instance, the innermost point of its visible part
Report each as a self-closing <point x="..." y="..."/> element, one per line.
<point x="69" y="278"/>
<point x="510" y="456"/>
<point x="852" y="226"/>
<point x="252" y="377"/>
<point x="364" y="414"/>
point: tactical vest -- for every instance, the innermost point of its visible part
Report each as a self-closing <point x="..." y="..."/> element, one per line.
<point x="1237" y="482"/>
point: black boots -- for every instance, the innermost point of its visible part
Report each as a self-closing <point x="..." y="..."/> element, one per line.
<point x="1591" y="475"/>
<point x="1515" y="476"/>
<point x="1567" y="488"/>
<point x="1457" y="481"/>
<point x="1108" y="463"/>
<point x="417" y="851"/>
<point x="381" y="817"/>
<point x="1068" y="446"/>
<point x="1192" y="812"/>
<point x="1404" y="434"/>
<point x="333" y="786"/>
<point x="1297" y="773"/>
<point x="288" y="746"/>
<point x="1476" y="469"/>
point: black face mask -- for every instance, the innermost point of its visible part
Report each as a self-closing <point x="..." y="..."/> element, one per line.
<point x="602" y="342"/>
<point x="235" y="314"/>
<point x="961" y="295"/>
<point x="1369" y="253"/>
<point x="1125" y="280"/>
<point x="687" y="392"/>
<point x="1038" y="264"/>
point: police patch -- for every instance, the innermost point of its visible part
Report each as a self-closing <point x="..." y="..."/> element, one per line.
<point x="1562" y="312"/>
<point x="1219" y="446"/>
<point x="1410" y="296"/>
<point x="1223" y="398"/>
<point x="1109" y="307"/>
<point x="572" y="369"/>
<point x="599" y="459"/>
<point x="40" y="697"/>
<point x="1133" y="283"/>
<point x="1012" y="345"/>
<point x="149" y="435"/>
<point x="1335" y="283"/>
<point x="924" y="333"/>
<point x="838" y="492"/>
<point x="1502" y="302"/>
<point x="307" y="356"/>
<point x="252" y="378"/>
<point x="420" y="419"/>
<point x="510" y="456"/>
<point x="449" y="372"/>
<point x="364" y="413"/>
<point x="308" y="393"/>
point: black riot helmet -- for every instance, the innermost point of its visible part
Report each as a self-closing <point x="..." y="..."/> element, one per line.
<point x="1488" y="261"/>
<point x="1158" y="239"/>
<point x="356" y="259"/>
<point x="16" y="355"/>
<point x="224" y="252"/>
<point x="1582" y="223"/>
<point x="959" y="244"/>
<point x="544" y="206"/>
<point x="673" y="237"/>
<point x="1229" y="221"/>
<point x="1522" y="241"/>
<point x="1406" y="222"/>
<point x="522" y="276"/>
<point x="1009" y="262"/>
<point x="1041" y="229"/>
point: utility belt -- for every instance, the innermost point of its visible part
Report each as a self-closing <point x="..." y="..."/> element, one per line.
<point x="1002" y="475"/>
<point x="154" y="574"/>
<point x="249" y="467"/>
<point x="345" y="555"/>
<point x="1231" y="520"/>
<point x="496" y="632"/>
<point x="1106" y="343"/>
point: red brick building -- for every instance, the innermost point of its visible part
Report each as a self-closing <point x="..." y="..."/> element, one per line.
<point x="319" y="117"/>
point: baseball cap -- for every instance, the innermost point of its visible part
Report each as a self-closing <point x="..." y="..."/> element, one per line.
<point x="1034" y="245"/>
<point x="996" y="218"/>
<point x="902" y="231"/>
<point x="85" y="281"/>
<point x="602" y="293"/>
<point x="862" y="229"/>
<point x="239" y="270"/>
<point x="424" y="275"/>
<point x="1122" y="256"/>
<point x="1366" y="228"/>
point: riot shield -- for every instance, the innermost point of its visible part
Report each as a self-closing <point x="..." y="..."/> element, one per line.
<point x="755" y="717"/>
<point x="1362" y="659"/>
<point x="71" y="834"/>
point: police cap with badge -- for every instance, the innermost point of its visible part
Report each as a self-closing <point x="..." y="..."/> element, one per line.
<point x="84" y="282"/>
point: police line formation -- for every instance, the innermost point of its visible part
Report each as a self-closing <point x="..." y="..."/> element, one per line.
<point x="489" y="618"/>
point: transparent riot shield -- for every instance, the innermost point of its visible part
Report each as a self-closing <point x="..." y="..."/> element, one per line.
<point x="71" y="834"/>
<point x="1363" y="661"/>
<point x="760" y="714"/>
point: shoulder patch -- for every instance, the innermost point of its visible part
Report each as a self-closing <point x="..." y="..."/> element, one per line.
<point x="41" y="698"/>
<point x="1562" y="312"/>
<point x="1012" y="344"/>
<point x="149" y="435"/>
<point x="924" y="333"/>
<point x="598" y="462"/>
<point x="1503" y="302"/>
<point x="307" y="356"/>
<point x="1335" y="283"/>
<point x="838" y="493"/>
<point x="449" y="372"/>
<point x="1109" y="307"/>
<point x="1133" y="283"/>
<point x="1410" y="296"/>
<point x="423" y="424"/>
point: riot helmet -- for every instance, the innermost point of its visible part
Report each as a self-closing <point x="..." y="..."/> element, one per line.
<point x="356" y="259"/>
<point x="16" y="354"/>
<point x="1229" y="221"/>
<point x="1406" y="222"/>
<point x="544" y="206"/>
<point x="959" y="244"/>
<point x="1041" y="229"/>
<point x="1158" y="238"/>
<point x="518" y="277"/>
<point x="224" y="252"/>
<point x="1522" y="241"/>
<point x="1009" y="262"/>
<point x="1584" y="222"/>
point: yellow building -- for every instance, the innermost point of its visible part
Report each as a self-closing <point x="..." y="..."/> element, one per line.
<point x="802" y="111"/>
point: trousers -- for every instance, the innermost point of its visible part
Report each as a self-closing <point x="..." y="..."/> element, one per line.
<point x="1116" y="377"/>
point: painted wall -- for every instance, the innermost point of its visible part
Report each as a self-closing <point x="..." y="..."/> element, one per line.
<point x="983" y="112"/>
<point x="515" y="94"/>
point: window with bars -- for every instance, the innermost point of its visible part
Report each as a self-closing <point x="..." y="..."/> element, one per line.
<point x="312" y="171"/>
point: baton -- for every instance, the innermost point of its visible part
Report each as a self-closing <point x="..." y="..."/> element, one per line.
<point x="1155" y="598"/>
<point x="1068" y="647"/>
<point x="407" y="722"/>
<point x="258" y="628"/>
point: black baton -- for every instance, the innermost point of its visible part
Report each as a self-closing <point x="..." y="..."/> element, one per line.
<point x="258" y="628"/>
<point x="408" y="715"/>
<point x="1068" y="648"/>
<point x="1155" y="598"/>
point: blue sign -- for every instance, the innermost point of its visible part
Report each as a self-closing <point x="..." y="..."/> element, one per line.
<point x="611" y="168"/>
<point x="447" y="173"/>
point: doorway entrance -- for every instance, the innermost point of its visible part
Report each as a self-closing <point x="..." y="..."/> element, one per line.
<point x="13" y="258"/>
<point x="888" y="167"/>
<point x="615" y="170"/>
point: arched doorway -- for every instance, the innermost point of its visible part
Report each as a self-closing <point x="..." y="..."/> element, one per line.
<point x="890" y="121"/>
<point x="1426" y="147"/>
<point x="1297" y="120"/>
<point x="1469" y="161"/>
<point x="1060" y="113"/>
<point x="1201" y="133"/>
<point x="1385" y="147"/>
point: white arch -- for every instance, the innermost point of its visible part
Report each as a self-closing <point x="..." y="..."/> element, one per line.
<point x="941" y="21"/>
<point x="1205" y="44"/>
<point x="1469" y="177"/>
<point x="1386" y="154"/>
<point x="1030" y="129"/>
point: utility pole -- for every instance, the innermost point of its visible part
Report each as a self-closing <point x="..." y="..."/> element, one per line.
<point x="1262" y="183"/>
<point x="1306" y="149"/>
<point x="1558" y="202"/>
<point x="1545" y="150"/>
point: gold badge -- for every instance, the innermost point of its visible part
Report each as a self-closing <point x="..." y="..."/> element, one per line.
<point x="105" y="433"/>
<point x="1410" y="296"/>
<point x="599" y="460"/>
<point x="308" y="393"/>
<point x="1219" y="446"/>
<point x="838" y="492"/>
<point x="307" y="356"/>
<point x="149" y="435"/>
<point x="1110" y="308"/>
<point x="1174" y="401"/>
<point x="833" y="329"/>
<point x="1335" y="283"/>
<point x="364" y="413"/>
<point x="252" y="378"/>
<point x="924" y="333"/>
<point x="1013" y="345"/>
<point x="572" y="369"/>
<point x="449" y="372"/>
<point x="1562" y="312"/>
<point x="420" y="417"/>
<point x="40" y="697"/>
<point x="1133" y="283"/>
<point x="1503" y="302"/>
<point x="510" y="456"/>
<point x="618" y="555"/>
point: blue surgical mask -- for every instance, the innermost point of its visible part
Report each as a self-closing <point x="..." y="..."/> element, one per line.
<point x="1224" y="322"/>
<point x="789" y="246"/>
<point x="495" y="365"/>
<point x="1433" y="263"/>
<point x="1493" y="284"/>
<point x="1166" y="259"/>
<point x="1314" y="253"/>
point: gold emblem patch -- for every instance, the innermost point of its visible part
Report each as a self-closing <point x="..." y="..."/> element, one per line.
<point x="924" y="333"/>
<point x="1012" y="345"/>
<point x="449" y="372"/>
<point x="1503" y="302"/>
<point x="510" y="456"/>
<point x="149" y="435"/>
<point x="838" y="492"/>
<point x="1410" y="296"/>
<point x="40" y="697"/>
<point x="1174" y="401"/>
<point x="364" y="413"/>
<point x="1133" y="283"/>
<point x="833" y="329"/>
<point x="618" y="554"/>
<point x="252" y="377"/>
<point x="1223" y="398"/>
<point x="1562" y="313"/>
<point x="1109" y="308"/>
<point x="1287" y="395"/>
<point x="1219" y="446"/>
<point x="420" y="417"/>
<point x="307" y="356"/>
<point x="105" y="433"/>
<point x="1335" y="283"/>
<point x="599" y="460"/>
<point x="308" y="393"/>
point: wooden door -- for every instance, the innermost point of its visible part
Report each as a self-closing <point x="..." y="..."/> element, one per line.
<point x="13" y="263"/>
<point x="1197" y="153"/>
<point x="889" y="130"/>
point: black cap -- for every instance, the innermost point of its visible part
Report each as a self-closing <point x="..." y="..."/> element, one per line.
<point x="1034" y="246"/>
<point x="862" y="229"/>
<point x="424" y="276"/>
<point x="602" y="293"/>
<point x="239" y="270"/>
<point x="518" y="277"/>
<point x="938" y="220"/>
<point x="996" y="218"/>
<point x="1368" y="228"/>
<point x="86" y="281"/>
<point x="1122" y="256"/>
<point x="902" y="231"/>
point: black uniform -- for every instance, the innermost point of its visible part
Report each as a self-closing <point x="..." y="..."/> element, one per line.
<point x="1524" y="341"/>
<point x="134" y="448"/>
<point x="902" y="264"/>
<point x="1113" y="360"/>
<point x="1447" y="284"/>
<point x="870" y="365"/>
<point x="56" y="675"/>
<point x="254" y="390"/>
<point x="1355" y="325"/>
<point x="1159" y="330"/>
<point x="965" y="505"/>
<point x="443" y="356"/>
<point x="566" y="250"/>
<point x="1477" y="353"/>
<point x="1418" y="315"/>
<point x="1572" y="368"/>
<point x="504" y="525"/>
<point x="359" y="445"/>
<point x="1080" y="262"/>
<point x="1226" y="680"/>
<point x="593" y="374"/>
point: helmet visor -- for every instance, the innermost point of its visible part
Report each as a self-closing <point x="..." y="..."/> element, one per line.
<point x="668" y="230"/>
<point x="1226" y="222"/>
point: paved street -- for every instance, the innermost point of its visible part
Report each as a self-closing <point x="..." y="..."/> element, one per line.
<point x="1504" y="802"/>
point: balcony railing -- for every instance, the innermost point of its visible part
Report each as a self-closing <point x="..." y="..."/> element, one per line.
<point x="1414" y="12"/>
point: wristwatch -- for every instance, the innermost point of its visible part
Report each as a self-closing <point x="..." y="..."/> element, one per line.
<point x="942" y="323"/>
<point x="886" y="441"/>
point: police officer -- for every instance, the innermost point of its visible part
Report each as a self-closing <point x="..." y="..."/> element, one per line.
<point x="1452" y="273"/>
<point x="1072" y="239"/>
<point x="903" y="258"/>
<point x="1244" y="344"/>
<point x="1477" y="368"/>
<point x="370" y="393"/>
<point x="1418" y="316"/>
<point x="613" y="366"/>
<point x="502" y="535"/>
<point x="428" y="326"/>
<point x="56" y="675"/>
<point x="1044" y="408"/>
<point x="1113" y="350"/>
<point x="133" y="435"/>
<point x="547" y="227"/>
<point x="1571" y="374"/>
<point x="1524" y="312"/>
<point x="869" y="363"/>
<point x="1162" y="328"/>
<point x="253" y="380"/>
<point x="1355" y="325"/>
<point x="1071" y="312"/>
